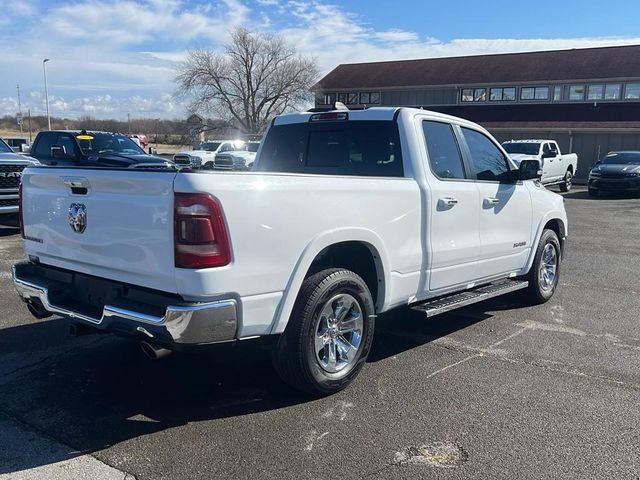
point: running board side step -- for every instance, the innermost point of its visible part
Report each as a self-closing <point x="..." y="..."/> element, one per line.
<point x="458" y="300"/>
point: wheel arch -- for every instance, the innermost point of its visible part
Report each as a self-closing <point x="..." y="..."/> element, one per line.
<point x="552" y="222"/>
<point x="359" y="250"/>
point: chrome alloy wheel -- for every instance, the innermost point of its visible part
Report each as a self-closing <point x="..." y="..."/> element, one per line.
<point x="548" y="268"/>
<point x="338" y="333"/>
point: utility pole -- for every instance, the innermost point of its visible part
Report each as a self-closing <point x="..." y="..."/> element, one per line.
<point x="29" y="116"/>
<point x="129" y="123"/>
<point x="19" y="109"/>
<point x="46" y="91"/>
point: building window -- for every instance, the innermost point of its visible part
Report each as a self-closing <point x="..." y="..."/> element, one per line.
<point x="352" y="99"/>
<point x="557" y="93"/>
<point x="534" y="93"/>
<point x="326" y="99"/>
<point x="612" y="91"/>
<point x="467" y="95"/>
<point x="595" y="92"/>
<point x="342" y="97"/>
<point x="369" y="98"/>
<point x="632" y="91"/>
<point x="507" y="94"/>
<point x="480" y="95"/>
<point x="576" y="92"/>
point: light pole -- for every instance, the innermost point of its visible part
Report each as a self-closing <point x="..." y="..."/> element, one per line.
<point x="46" y="90"/>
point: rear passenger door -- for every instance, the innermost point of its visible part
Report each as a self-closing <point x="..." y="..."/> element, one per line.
<point x="504" y="208"/>
<point x="453" y="234"/>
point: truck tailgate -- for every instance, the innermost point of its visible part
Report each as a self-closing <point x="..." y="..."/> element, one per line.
<point x="127" y="232"/>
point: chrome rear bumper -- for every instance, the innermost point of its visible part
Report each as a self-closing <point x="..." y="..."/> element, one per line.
<point x="184" y="324"/>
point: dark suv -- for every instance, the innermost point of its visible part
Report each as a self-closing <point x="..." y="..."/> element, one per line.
<point x="71" y="148"/>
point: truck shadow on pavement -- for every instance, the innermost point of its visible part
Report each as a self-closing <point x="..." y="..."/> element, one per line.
<point x="96" y="391"/>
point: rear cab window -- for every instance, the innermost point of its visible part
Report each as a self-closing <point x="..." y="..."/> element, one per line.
<point x="359" y="148"/>
<point x="444" y="155"/>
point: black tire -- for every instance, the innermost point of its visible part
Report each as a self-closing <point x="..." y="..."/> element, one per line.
<point x="535" y="293"/>
<point x="566" y="184"/>
<point x="208" y="166"/>
<point x="295" y="357"/>
<point x="592" y="192"/>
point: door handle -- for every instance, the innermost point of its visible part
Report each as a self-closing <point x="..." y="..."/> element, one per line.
<point x="448" y="201"/>
<point x="491" y="201"/>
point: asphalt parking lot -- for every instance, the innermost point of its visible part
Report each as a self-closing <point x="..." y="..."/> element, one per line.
<point x="491" y="391"/>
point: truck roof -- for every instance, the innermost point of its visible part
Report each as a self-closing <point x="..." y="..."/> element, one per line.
<point x="373" y="113"/>
<point x="529" y="141"/>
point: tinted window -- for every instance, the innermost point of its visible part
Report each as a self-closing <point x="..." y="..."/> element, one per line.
<point x="367" y="148"/>
<point x="621" y="158"/>
<point x="488" y="161"/>
<point x="97" y="143"/>
<point x="4" y="148"/>
<point x="45" y="142"/>
<point x="69" y="145"/>
<point x="526" y="148"/>
<point x="444" y="155"/>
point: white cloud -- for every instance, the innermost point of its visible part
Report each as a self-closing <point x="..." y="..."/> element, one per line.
<point x="113" y="57"/>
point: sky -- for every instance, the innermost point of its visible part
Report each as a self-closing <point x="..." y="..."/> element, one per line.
<point x="110" y="58"/>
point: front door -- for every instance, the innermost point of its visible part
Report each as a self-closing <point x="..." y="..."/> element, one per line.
<point x="453" y="234"/>
<point x="504" y="208"/>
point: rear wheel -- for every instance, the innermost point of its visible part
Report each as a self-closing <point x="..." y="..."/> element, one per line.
<point x="545" y="271"/>
<point x="566" y="184"/>
<point x="329" y="334"/>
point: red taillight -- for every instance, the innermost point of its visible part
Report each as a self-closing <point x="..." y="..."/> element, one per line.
<point x="201" y="239"/>
<point x="20" y="210"/>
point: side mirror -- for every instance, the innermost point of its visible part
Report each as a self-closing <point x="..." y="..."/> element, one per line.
<point x="153" y="151"/>
<point x="58" y="151"/>
<point x="25" y="148"/>
<point x="530" y="170"/>
<point x="548" y="155"/>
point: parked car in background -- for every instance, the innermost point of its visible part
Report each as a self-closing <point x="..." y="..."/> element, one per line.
<point x="140" y="139"/>
<point x="345" y="215"/>
<point x="11" y="167"/>
<point x="17" y="144"/>
<point x="616" y="172"/>
<point x="204" y="156"/>
<point x="81" y="148"/>
<point x="557" y="168"/>
<point x="240" y="159"/>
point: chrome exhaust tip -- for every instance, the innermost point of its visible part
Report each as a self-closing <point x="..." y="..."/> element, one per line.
<point x="154" y="352"/>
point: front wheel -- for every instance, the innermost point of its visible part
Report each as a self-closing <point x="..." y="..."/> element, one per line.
<point x="545" y="271"/>
<point x="567" y="182"/>
<point x="592" y="192"/>
<point x="329" y="334"/>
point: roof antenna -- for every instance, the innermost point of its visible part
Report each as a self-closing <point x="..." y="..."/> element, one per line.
<point x="339" y="106"/>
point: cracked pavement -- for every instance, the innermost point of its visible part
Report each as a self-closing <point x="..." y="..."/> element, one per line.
<point x="495" y="390"/>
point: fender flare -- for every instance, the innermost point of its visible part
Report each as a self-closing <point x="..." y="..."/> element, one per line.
<point x="309" y="254"/>
<point x="553" y="215"/>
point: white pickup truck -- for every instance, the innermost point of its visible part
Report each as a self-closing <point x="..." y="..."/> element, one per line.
<point x="557" y="168"/>
<point x="346" y="214"/>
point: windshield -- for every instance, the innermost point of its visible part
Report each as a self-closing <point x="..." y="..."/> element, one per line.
<point x="622" y="158"/>
<point x="4" y="148"/>
<point x="98" y="143"/>
<point x="524" y="148"/>
<point x="209" y="146"/>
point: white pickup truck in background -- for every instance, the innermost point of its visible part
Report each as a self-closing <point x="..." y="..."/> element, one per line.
<point x="557" y="168"/>
<point x="345" y="215"/>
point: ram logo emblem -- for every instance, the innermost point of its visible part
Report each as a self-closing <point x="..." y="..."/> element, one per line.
<point x="78" y="217"/>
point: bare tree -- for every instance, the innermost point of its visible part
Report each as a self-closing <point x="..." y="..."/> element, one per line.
<point x="257" y="77"/>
